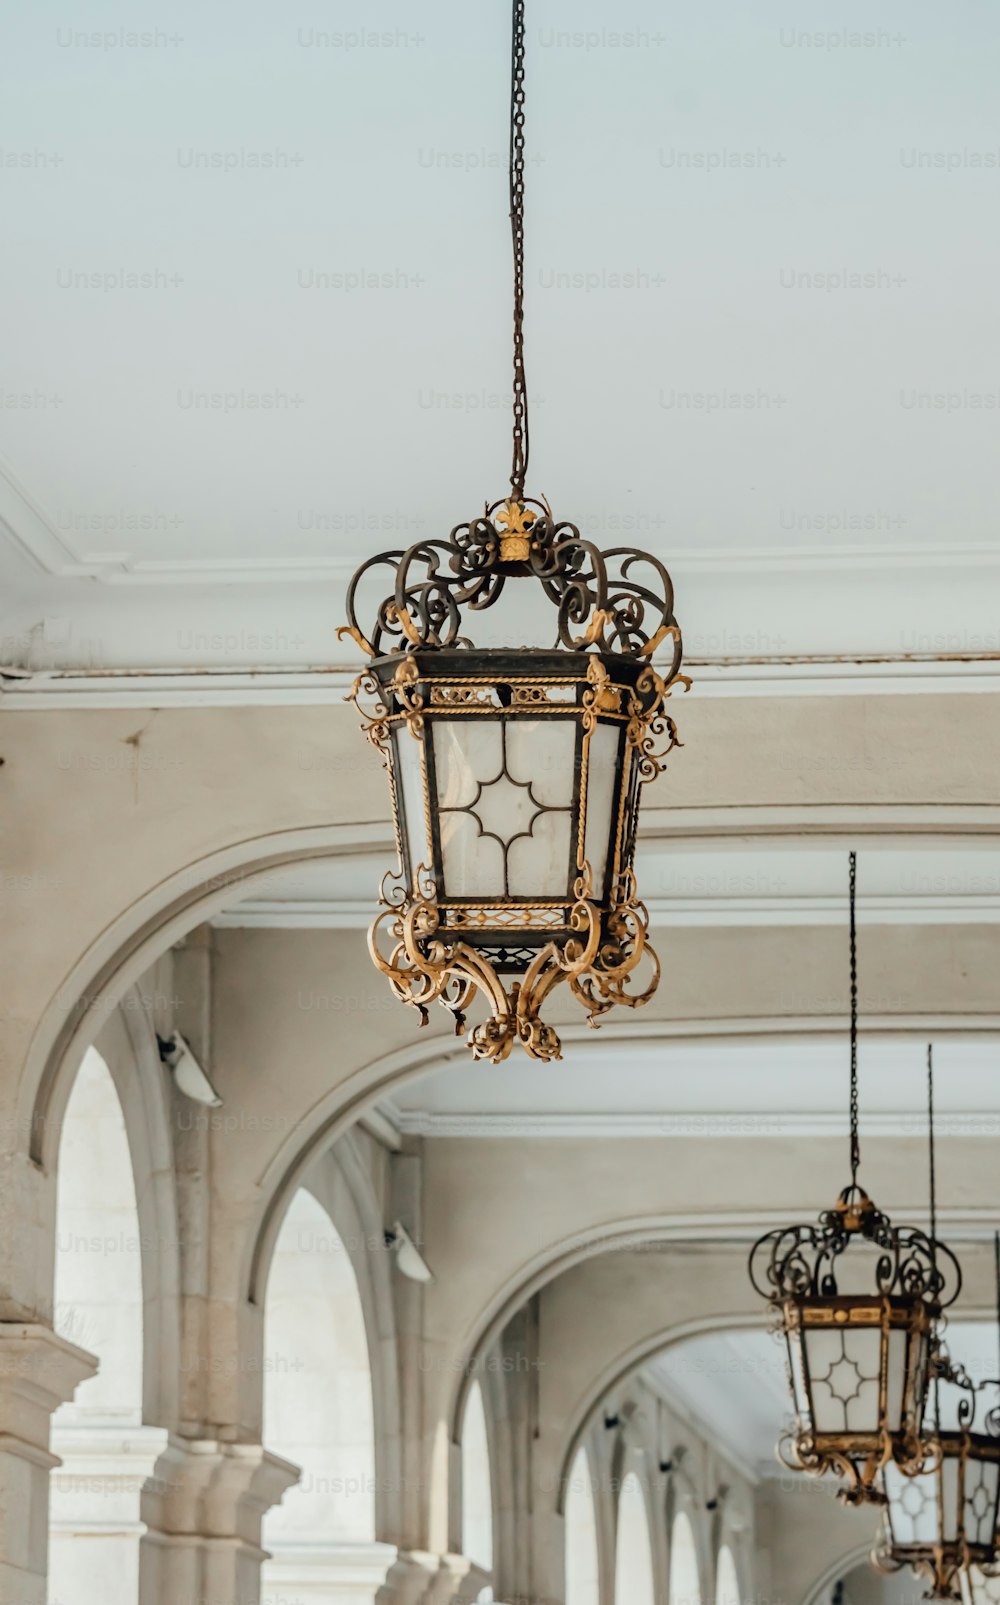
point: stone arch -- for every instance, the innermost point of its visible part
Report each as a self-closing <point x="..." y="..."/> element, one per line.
<point x="342" y="1185"/>
<point x="727" y="1581"/>
<point x="106" y="1452"/>
<point x="685" y="1563"/>
<point x="127" y="1044"/>
<point x="846" y="1562"/>
<point x="121" y="953"/>
<point x="635" y="1576"/>
<point x="478" y="1482"/>
<point x="582" y="1534"/>
<point x="319" y="1411"/>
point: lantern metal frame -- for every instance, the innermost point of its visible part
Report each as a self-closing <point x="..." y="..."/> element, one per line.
<point x="433" y="946"/>
<point x="954" y="1457"/>
<point x="915" y="1278"/>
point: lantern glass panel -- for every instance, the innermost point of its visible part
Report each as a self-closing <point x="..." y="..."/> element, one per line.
<point x="982" y="1485"/>
<point x="603" y="792"/>
<point x="897" y="1351"/>
<point x="800" y="1393"/>
<point x="505" y="806"/>
<point x="844" y="1368"/>
<point x="913" y="1507"/>
<point x="411" y="798"/>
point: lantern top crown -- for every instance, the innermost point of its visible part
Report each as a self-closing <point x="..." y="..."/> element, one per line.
<point x="801" y="1261"/>
<point x="971" y="1396"/>
<point x="602" y="602"/>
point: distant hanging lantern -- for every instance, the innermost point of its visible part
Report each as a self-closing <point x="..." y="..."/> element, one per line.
<point x="941" y="1519"/>
<point x="857" y="1300"/>
<point x="516" y="773"/>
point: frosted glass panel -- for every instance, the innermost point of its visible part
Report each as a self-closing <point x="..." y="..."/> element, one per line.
<point x="543" y="751"/>
<point x="602" y="793"/>
<point x="409" y="775"/>
<point x="952" y="1502"/>
<point x="473" y="863"/>
<point x="538" y="865"/>
<point x="980" y="1500"/>
<point x="913" y="1510"/>
<point x="467" y="753"/>
<point x="896" y="1378"/>
<point x="506" y="828"/>
<point x="844" y="1371"/>
<point x="799" y="1394"/>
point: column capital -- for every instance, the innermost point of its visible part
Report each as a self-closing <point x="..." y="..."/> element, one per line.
<point x="209" y="1488"/>
<point x="39" y="1371"/>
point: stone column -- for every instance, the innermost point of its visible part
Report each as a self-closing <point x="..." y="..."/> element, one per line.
<point x="38" y="1372"/>
<point x="95" y="1502"/>
<point x="203" y="1510"/>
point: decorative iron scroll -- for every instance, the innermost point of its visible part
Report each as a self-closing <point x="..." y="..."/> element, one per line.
<point x="800" y="1261"/>
<point x="602" y="602"/>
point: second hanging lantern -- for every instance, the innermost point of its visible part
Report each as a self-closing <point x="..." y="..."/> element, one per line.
<point x="857" y="1300"/>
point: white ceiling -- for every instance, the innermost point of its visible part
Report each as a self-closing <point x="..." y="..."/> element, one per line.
<point x="827" y="515"/>
<point x="608" y="1085"/>
<point x="734" y="1383"/>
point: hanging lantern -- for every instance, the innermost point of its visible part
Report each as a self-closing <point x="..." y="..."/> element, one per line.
<point x="942" y="1520"/>
<point x="516" y="773"/>
<point x="941" y="1517"/>
<point x="857" y="1300"/>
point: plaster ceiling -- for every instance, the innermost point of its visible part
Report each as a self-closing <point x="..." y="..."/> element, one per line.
<point x="193" y="464"/>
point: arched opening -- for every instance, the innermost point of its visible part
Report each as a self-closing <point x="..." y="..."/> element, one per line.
<point x="318" y="1414"/>
<point x="727" y="1587"/>
<point x="95" y="1530"/>
<point x="583" y="1577"/>
<point x="477" y="1486"/>
<point x="685" y="1586"/>
<point x="633" y="1551"/>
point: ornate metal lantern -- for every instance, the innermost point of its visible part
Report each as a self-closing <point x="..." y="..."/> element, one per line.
<point x="942" y="1520"/>
<point x="516" y="774"/>
<point x="857" y="1300"/>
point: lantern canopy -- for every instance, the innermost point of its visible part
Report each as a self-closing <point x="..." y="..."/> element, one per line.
<point x="942" y="1520"/>
<point x="516" y="773"/>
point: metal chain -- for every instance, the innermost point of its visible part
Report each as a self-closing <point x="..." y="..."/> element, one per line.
<point x="519" y="467"/>
<point x="855" y="1140"/>
<point x="930" y="1132"/>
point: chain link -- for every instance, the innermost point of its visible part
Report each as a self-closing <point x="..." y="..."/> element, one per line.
<point x="930" y="1142"/>
<point x="855" y="1139"/>
<point x="519" y="467"/>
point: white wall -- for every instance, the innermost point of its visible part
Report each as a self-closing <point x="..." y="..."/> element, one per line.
<point x="633" y="1553"/>
<point x="95" y="1532"/>
<point x="583" y="1585"/>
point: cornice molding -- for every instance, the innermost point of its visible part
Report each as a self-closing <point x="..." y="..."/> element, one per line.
<point x="748" y="1125"/>
<point x="686" y="913"/>
<point x="273" y="685"/>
